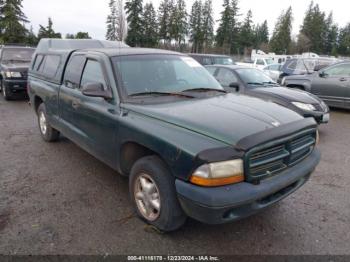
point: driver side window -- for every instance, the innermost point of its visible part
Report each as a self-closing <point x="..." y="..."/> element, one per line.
<point x="93" y="74"/>
<point x="226" y="77"/>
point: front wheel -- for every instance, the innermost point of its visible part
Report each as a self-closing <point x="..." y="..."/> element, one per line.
<point x="48" y="133"/>
<point x="152" y="190"/>
<point x="5" y="92"/>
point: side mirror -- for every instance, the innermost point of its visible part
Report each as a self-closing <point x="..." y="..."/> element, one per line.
<point x="234" y="85"/>
<point x="96" y="90"/>
<point x="322" y="74"/>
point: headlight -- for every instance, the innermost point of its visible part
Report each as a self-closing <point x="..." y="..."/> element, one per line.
<point x="303" y="106"/>
<point x="13" y="74"/>
<point x="219" y="174"/>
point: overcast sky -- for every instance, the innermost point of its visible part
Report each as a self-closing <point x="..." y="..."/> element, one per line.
<point x="71" y="16"/>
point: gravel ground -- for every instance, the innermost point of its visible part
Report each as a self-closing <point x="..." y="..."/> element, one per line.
<point x="57" y="199"/>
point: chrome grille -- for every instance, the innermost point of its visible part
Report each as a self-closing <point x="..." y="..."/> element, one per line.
<point x="272" y="158"/>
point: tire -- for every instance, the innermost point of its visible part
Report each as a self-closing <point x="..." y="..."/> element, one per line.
<point x="5" y="92"/>
<point x="48" y="133"/>
<point x="170" y="215"/>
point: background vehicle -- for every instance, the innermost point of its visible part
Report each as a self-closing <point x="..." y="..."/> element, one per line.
<point x="207" y="59"/>
<point x="273" y="71"/>
<point x="255" y="83"/>
<point x="304" y="66"/>
<point x="331" y="84"/>
<point x="141" y="112"/>
<point x="14" y="64"/>
<point x="259" y="63"/>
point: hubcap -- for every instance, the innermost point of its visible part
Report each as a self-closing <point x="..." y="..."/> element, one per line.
<point x="147" y="197"/>
<point x="42" y="123"/>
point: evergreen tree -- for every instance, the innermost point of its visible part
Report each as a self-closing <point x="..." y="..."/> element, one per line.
<point x="150" y="26"/>
<point x="178" y="22"/>
<point x="12" y="21"/>
<point x="344" y="41"/>
<point x="281" y="38"/>
<point x="208" y="24"/>
<point x="112" y="22"/>
<point x="48" y="32"/>
<point x="31" y="38"/>
<point x="82" y="35"/>
<point x="261" y="35"/>
<point x="134" y="11"/>
<point x="247" y="34"/>
<point x="330" y="36"/>
<point x="69" y="36"/>
<point x="314" y="28"/>
<point x="164" y="20"/>
<point x="227" y="32"/>
<point x="196" y="26"/>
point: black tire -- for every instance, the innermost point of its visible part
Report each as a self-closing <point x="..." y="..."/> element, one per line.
<point x="5" y="92"/>
<point x="171" y="216"/>
<point x="49" y="134"/>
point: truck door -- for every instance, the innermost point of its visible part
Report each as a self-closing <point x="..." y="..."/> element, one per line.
<point x="91" y="121"/>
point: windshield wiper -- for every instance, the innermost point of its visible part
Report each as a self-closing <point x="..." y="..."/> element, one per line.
<point x="255" y="83"/>
<point x="270" y="83"/>
<point x="204" y="90"/>
<point x="160" y="94"/>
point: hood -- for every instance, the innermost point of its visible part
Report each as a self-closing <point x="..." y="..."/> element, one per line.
<point x="226" y="118"/>
<point x="16" y="67"/>
<point x="287" y="94"/>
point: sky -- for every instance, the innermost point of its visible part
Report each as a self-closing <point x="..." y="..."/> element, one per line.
<point x="71" y="16"/>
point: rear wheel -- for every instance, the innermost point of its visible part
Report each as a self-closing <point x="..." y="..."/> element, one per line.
<point x="152" y="189"/>
<point x="48" y="133"/>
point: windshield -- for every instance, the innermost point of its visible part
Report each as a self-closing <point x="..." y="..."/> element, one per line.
<point x="223" y="61"/>
<point x="21" y="55"/>
<point x="254" y="77"/>
<point x="142" y="74"/>
<point x="269" y="61"/>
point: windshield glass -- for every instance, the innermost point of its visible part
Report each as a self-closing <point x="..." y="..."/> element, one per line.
<point x="162" y="73"/>
<point x="223" y="61"/>
<point x="17" y="54"/>
<point x="269" y="61"/>
<point x="254" y="77"/>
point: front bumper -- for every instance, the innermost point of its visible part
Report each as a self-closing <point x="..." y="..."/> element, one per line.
<point x="320" y="117"/>
<point x="229" y="203"/>
<point x="15" y="86"/>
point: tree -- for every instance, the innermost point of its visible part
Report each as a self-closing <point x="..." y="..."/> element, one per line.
<point x="48" y="32"/>
<point x="227" y="32"/>
<point x="12" y="21"/>
<point x="134" y="11"/>
<point x="261" y="35"/>
<point x="31" y="38"/>
<point x="281" y="37"/>
<point x="70" y="36"/>
<point x="196" y="33"/>
<point x="330" y="36"/>
<point x="247" y="34"/>
<point x="116" y="22"/>
<point x="344" y="41"/>
<point x="314" y="28"/>
<point x="178" y="22"/>
<point x="82" y="35"/>
<point x="208" y="24"/>
<point x="150" y="26"/>
<point x="164" y="20"/>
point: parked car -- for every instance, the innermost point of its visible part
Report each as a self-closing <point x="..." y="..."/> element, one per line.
<point x="331" y="84"/>
<point x="141" y="111"/>
<point x="304" y="66"/>
<point x="273" y="71"/>
<point x="14" y="64"/>
<point x="207" y="59"/>
<point x="259" y="63"/>
<point x="254" y="82"/>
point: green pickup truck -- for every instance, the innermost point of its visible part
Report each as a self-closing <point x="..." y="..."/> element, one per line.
<point x="158" y="117"/>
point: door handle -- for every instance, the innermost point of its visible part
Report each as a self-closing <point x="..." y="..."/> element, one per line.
<point x="75" y="104"/>
<point x="343" y="79"/>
